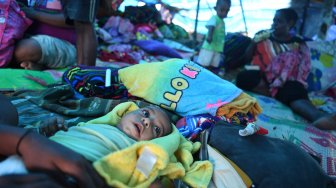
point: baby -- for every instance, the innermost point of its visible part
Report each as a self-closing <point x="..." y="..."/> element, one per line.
<point x="142" y="124"/>
<point x="44" y="52"/>
<point x="102" y="136"/>
<point x="88" y="139"/>
<point x="94" y="140"/>
<point x="146" y="123"/>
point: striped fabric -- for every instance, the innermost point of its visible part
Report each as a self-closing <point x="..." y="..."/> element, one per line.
<point x="90" y="82"/>
<point x="269" y="48"/>
<point x="191" y="126"/>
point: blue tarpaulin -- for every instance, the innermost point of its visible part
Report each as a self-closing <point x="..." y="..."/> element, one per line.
<point x="258" y="13"/>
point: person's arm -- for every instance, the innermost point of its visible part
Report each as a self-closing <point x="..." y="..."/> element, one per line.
<point x="86" y="43"/>
<point x="39" y="153"/>
<point x="210" y="34"/>
<point x="249" y="52"/>
<point x="56" y="19"/>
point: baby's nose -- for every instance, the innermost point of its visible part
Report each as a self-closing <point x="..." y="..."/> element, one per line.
<point x="146" y="122"/>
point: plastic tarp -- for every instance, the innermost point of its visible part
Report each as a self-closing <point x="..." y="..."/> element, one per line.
<point x="258" y="13"/>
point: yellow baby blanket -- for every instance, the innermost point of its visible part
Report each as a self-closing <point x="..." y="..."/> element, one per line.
<point x="143" y="162"/>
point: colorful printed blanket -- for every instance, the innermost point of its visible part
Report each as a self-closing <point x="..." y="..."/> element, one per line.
<point x="323" y="65"/>
<point x="282" y="123"/>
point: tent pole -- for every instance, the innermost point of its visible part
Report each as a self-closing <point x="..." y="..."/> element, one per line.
<point x="196" y="22"/>
<point x="243" y="13"/>
<point x="305" y="10"/>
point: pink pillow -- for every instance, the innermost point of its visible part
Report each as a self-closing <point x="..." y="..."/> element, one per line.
<point x="13" y="24"/>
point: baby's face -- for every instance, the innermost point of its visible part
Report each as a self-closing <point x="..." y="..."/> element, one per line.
<point x="146" y="123"/>
<point x="27" y="50"/>
<point x="22" y="54"/>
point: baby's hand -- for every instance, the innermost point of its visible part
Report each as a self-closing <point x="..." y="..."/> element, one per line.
<point x="50" y="126"/>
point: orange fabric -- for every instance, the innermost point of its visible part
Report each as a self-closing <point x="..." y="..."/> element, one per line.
<point x="263" y="54"/>
<point x="267" y="49"/>
<point x="243" y="103"/>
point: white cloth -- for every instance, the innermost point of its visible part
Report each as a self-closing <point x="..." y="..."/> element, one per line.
<point x="331" y="33"/>
<point x="224" y="176"/>
<point x="12" y="165"/>
<point x="207" y="58"/>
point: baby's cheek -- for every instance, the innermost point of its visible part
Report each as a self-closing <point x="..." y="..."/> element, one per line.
<point x="147" y="136"/>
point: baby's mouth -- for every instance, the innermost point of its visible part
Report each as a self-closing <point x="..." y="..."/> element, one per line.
<point x="138" y="128"/>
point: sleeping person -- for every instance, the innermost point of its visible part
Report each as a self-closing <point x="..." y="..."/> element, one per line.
<point x="41" y="52"/>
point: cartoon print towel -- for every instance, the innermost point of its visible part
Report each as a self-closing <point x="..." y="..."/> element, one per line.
<point x="179" y="85"/>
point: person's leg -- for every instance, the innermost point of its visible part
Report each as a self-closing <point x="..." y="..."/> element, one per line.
<point x="214" y="65"/>
<point x="295" y="96"/>
<point x="82" y="14"/>
<point x="318" y="118"/>
<point x="327" y="122"/>
<point x="86" y="43"/>
<point x="306" y="109"/>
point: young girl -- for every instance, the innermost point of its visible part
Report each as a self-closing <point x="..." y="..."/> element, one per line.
<point x="212" y="49"/>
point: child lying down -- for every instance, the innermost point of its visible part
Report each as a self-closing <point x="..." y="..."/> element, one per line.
<point x="133" y="147"/>
<point x="178" y="85"/>
<point x="41" y="52"/>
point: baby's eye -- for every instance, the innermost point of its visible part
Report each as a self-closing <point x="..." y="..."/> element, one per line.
<point x="157" y="130"/>
<point x="145" y="113"/>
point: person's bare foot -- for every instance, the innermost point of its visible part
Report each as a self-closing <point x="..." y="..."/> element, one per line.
<point x="326" y="122"/>
<point x="32" y="66"/>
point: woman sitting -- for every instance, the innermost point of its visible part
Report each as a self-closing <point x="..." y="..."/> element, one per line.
<point x="284" y="64"/>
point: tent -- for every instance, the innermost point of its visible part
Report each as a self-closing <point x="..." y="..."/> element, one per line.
<point x="248" y="16"/>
